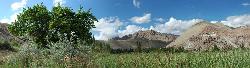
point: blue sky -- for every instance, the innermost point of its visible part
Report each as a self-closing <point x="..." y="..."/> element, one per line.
<point x="121" y="17"/>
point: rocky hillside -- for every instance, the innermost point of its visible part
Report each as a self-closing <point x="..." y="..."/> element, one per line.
<point x="5" y="35"/>
<point x="206" y="36"/>
<point x="149" y="35"/>
<point x="145" y="39"/>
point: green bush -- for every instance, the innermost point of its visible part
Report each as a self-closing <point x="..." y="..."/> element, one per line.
<point x="8" y="45"/>
<point x="61" y="54"/>
<point x="4" y="45"/>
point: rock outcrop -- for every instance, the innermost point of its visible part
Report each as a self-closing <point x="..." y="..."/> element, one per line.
<point x="153" y="35"/>
<point x="149" y="35"/>
<point x="207" y="36"/>
<point x="145" y="39"/>
<point x="6" y="35"/>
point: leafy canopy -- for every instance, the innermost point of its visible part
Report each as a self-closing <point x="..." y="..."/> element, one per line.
<point x="45" y="26"/>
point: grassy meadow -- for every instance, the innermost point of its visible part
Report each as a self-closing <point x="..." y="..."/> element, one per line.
<point x="161" y="59"/>
<point x="101" y="56"/>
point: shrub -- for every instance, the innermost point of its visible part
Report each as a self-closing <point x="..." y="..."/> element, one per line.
<point x="8" y="45"/>
<point x="4" y="45"/>
<point x="61" y="54"/>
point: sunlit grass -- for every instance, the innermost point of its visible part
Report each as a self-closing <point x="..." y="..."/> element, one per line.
<point x="153" y="58"/>
<point x="223" y="59"/>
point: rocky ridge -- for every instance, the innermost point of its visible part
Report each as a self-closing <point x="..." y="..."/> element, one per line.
<point x="4" y="33"/>
<point x="207" y="36"/>
<point x="147" y="39"/>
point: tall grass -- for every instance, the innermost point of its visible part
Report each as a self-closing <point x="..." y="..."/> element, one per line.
<point x="66" y="54"/>
<point x="222" y="59"/>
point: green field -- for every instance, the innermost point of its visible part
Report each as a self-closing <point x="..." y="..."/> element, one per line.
<point x="221" y="59"/>
<point x="101" y="56"/>
<point x="104" y="58"/>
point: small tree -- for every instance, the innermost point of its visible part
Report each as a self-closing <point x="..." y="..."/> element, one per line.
<point x="41" y="24"/>
<point x="70" y="24"/>
<point x="32" y="22"/>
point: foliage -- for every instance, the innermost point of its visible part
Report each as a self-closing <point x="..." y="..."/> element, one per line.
<point x="8" y="45"/>
<point x="61" y="54"/>
<point x="101" y="46"/>
<point x="4" y="45"/>
<point x="33" y="21"/>
<point x="65" y="34"/>
<point x="66" y="22"/>
<point x="41" y="24"/>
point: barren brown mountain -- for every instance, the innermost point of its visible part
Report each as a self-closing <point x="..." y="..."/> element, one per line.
<point x="207" y="36"/>
<point x="145" y="39"/>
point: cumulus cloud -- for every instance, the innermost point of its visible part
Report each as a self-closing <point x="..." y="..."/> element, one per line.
<point x="236" y="21"/>
<point x="136" y="3"/>
<point x="130" y="29"/>
<point x="214" y="21"/>
<point x="18" y="5"/>
<point x="160" y="20"/>
<point x="5" y="20"/>
<point x="107" y="28"/>
<point x="175" y="26"/>
<point x="245" y="4"/>
<point x="143" y="19"/>
<point x="57" y="2"/>
<point x="12" y="18"/>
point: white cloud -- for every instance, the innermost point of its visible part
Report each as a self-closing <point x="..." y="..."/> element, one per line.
<point x="160" y="20"/>
<point x="57" y="2"/>
<point x="136" y="3"/>
<point x="12" y="18"/>
<point x="214" y="21"/>
<point x="130" y="29"/>
<point x="18" y="5"/>
<point x="236" y="21"/>
<point x="107" y="28"/>
<point x="245" y="4"/>
<point x="144" y="19"/>
<point x="5" y="20"/>
<point x="175" y="26"/>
